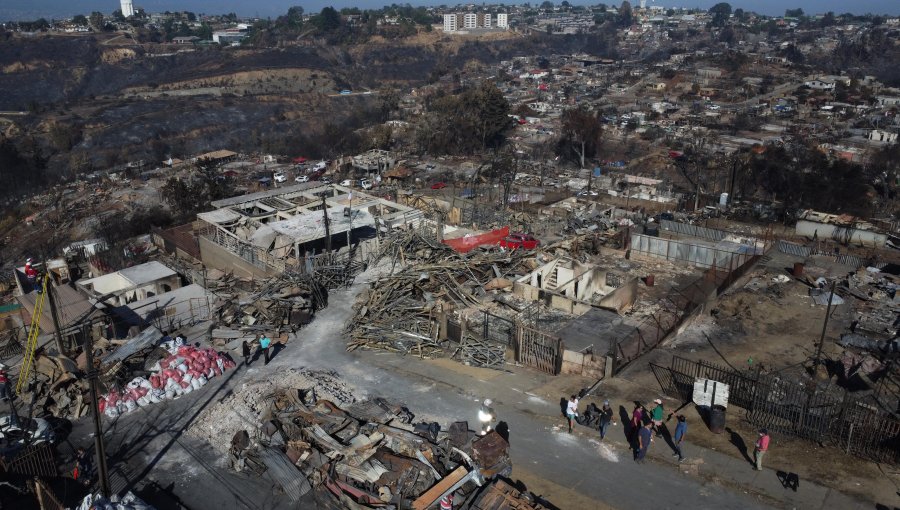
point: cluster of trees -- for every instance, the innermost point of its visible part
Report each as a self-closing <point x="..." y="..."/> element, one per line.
<point x="330" y="24"/>
<point x="473" y="120"/>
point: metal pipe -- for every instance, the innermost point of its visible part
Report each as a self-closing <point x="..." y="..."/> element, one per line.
<point x="99" y="447"/>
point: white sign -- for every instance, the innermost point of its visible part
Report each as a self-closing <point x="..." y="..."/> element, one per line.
<point x="709" y="393"/>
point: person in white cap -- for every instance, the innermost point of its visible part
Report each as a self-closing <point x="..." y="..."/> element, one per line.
<point x="31" y="274"/>
<point x="657" y="416"/>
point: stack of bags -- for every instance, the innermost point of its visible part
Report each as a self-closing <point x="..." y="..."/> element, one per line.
<point x="186" y="369"/>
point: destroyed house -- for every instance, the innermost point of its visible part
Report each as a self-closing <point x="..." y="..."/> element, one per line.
<point x="132" y="284"/>
<point x="271" y="231"/>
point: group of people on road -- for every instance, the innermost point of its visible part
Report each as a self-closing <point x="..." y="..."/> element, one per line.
<point x="262" y="342"/>
<point x="648" y="424"/>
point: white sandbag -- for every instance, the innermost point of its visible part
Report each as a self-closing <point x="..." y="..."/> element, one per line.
<point x="154" y="398"/>
<point x="210" y="374"/>
<point x="155" y="368"/>
<point x="111" y="411"/>
<point x="188" y="389"/>
<point x="183" y="368"/>
<point x="143" y="401"/>
<point x="221" y="363"/>
<point x="130" y="405"/>
<point x="133" y="384"/>
<point x="146" y="384"/>
<point x="170" y="394"/>
<point x="203" y="380"/>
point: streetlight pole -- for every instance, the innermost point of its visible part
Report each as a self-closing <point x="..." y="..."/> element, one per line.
<point x="93" y="376"/>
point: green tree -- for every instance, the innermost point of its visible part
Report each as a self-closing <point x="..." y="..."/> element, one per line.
<point x="80" y="19"/>
<point x="97" y="22"/>
<point x="793" y="13"/>
<point x="327" y="20"/>
<point x="625" y="14"/>
<point x="547" y="5"/>
<point x="720" y="14"/>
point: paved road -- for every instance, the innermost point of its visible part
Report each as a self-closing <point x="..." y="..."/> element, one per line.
<point x="149" y="453"/>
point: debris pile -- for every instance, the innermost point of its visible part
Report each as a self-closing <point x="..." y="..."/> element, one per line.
<point x="397" y="312"/>
<point x="368" y="454"/>
<point x="57" y="389"/>
<point x="242" y="408"/>
<point x="185" y="370"/>
<point x="288" y="302"/>
<point x="127" y="502"/>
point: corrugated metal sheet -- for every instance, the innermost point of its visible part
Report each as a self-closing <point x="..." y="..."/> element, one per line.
<point x="693" y="230"/>
<point x="285" y="474"/>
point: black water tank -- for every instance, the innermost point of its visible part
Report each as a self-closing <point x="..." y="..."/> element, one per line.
<point x="717" y="419"/>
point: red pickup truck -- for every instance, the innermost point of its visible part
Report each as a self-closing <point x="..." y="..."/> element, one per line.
<point x="519" y="240"/>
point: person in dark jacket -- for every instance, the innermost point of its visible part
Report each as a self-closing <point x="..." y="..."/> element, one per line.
<point x="606" y="417"/>
<point x="245" y="351"/>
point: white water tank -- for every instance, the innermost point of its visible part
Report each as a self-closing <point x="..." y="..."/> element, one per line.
<point x="723" y="200"/>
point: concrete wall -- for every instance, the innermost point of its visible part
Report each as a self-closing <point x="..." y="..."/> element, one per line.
<point x="584" y="364"/>
<point x="841" y="234"/>
<point x="622" y="298"/>
<point x="218" y="257"/>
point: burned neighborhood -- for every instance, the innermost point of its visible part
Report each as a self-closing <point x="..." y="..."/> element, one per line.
<point x="472" y="257"/>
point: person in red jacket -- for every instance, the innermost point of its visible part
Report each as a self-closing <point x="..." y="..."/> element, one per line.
<point x="4" y="384"/>
<point x="762" y="446"/>
<point x="32" y="275"/>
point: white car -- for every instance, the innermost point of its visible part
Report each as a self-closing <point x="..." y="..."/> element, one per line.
<point x="279" y="177"/>
<point x="365" y="184"/>
<point x="347" y="182"/>
<point x="27" y="430"/>
<point x="302" y="178"/>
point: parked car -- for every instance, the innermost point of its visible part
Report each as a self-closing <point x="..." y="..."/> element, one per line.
<point x="302" y="178"/>
<point x="348" y="182"/>
<point x="25" y="430"/>
<point x="519" y="240"/>
<point x="280" y="177"/>
<point x="325" y="180"/>
<point x="365" y="184"/>
<point x="585" y="193"/>
<point x="346" y="92"/>
<point x="439" y="185"/>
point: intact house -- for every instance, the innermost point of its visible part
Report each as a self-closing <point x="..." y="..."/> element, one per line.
<point x="131" y="284"/>
<point x="272" y="231"/>
<point x="820" y="84"/>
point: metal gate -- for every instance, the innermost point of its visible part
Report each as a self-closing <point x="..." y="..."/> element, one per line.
<point x="539" y="350"/>
<point x="499" y="330"/>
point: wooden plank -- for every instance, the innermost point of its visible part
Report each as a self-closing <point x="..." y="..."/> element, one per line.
<point x="431" y="496"/>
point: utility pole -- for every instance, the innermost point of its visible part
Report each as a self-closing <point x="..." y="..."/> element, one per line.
<point x="818" y="359"/>
<point x="327" y="228"/>
<point x="99" y="447"/>
<point x="53" y="313"/>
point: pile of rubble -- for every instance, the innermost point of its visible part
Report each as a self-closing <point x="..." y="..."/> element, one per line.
<point x="368" y="454"/>
<point x="242" y="408"/>
<point x="288" y="301"/>
<point x="57" y="389"/>
<point x="397" y="313"/>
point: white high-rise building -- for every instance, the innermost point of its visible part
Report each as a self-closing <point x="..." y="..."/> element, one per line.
<point x="502" y="20"/>
<point x="450" y="24"/>
<point x="470" y="20"/>
<point x="127" y="8"/>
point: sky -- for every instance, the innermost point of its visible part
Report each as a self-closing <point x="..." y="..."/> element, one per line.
<point x="33" y="9"/>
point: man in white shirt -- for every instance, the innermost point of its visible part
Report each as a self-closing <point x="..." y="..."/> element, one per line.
<point x="571" y="410"/>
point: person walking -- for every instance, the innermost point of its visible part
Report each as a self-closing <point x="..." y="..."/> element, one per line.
<point x="762" y="446"/>
<point x="606" y="417"/>
<point x="264" y="343"/>
<point x="678" y="438"/>
<point x="637" y="421"/>
<point x="245" y="351"/>
<point x="645" y="437"/>
<point x="571" y="411"/>
<point x="656" y="415"/>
